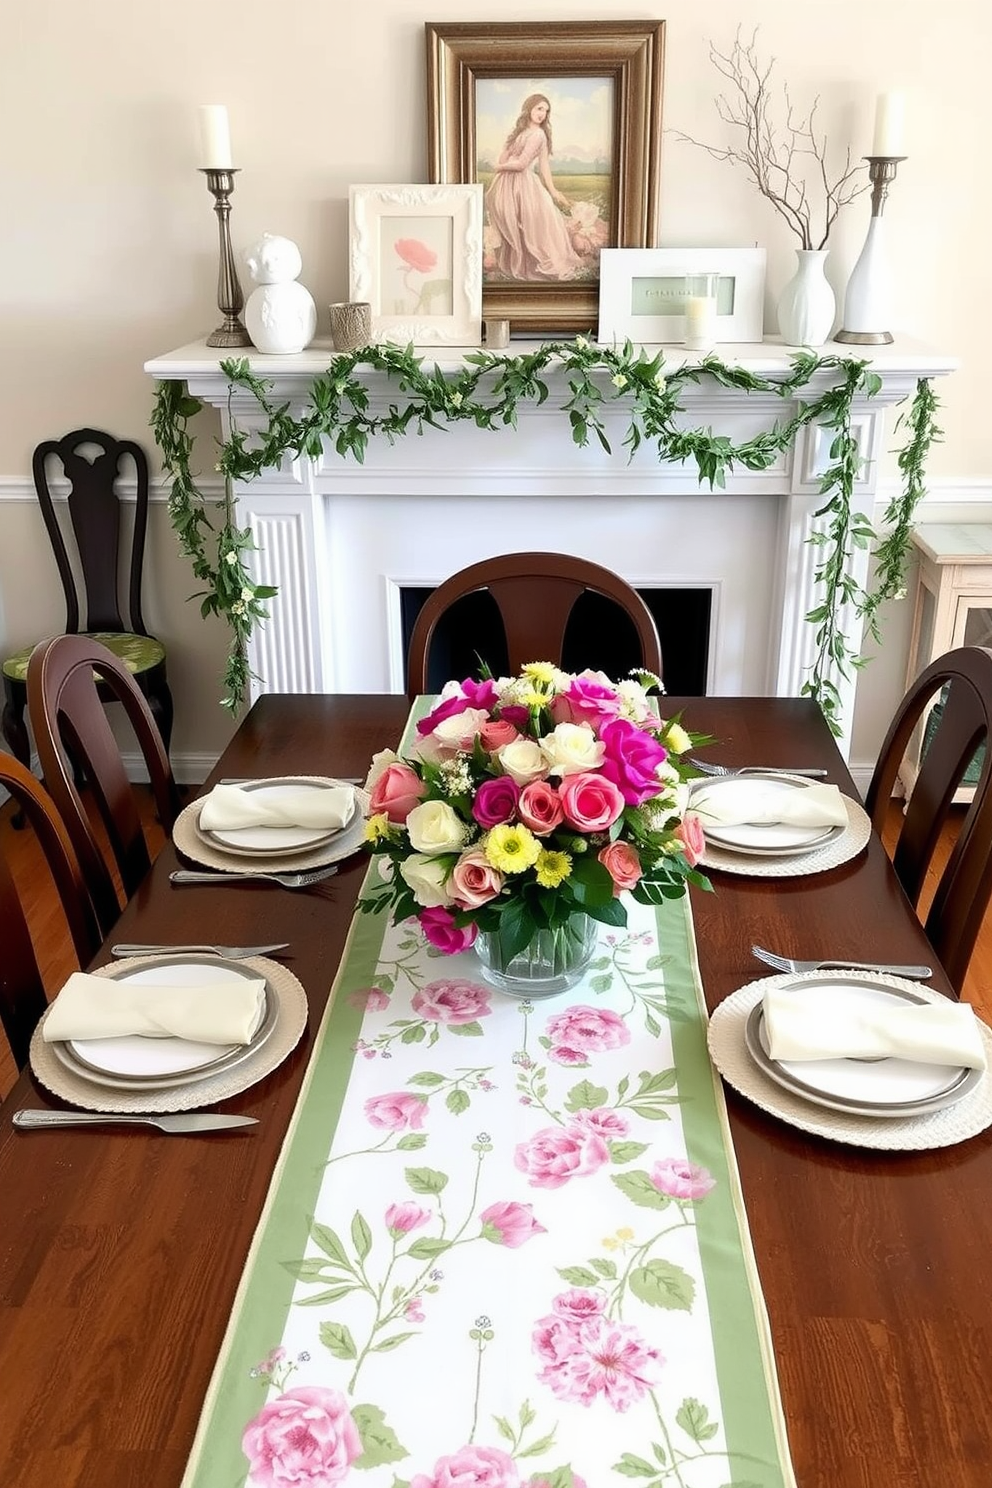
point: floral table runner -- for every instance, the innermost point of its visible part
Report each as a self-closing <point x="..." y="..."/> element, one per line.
<point x="504" y="1244"/>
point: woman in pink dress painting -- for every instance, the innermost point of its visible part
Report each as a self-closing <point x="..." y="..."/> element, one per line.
<point x="523" y="202"/>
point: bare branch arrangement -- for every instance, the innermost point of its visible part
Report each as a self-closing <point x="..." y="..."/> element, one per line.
<point x="788" y="163"/>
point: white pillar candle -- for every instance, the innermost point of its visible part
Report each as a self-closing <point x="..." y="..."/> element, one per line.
<point x="890" y="117"/>
<point x="215" y="137"/>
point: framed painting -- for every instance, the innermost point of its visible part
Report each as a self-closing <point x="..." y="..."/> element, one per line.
<point x="415" y="255"/>
<point x="560" y="124"/>
<point x="642" y="292"/>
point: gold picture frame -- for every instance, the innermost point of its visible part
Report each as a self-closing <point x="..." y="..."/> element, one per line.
<point x="601" y="79"/>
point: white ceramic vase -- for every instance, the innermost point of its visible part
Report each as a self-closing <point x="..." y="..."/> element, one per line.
<point x="280" y="315"/>
<point x="806" y="306"/>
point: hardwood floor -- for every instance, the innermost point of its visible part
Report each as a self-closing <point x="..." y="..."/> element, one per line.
<point x="56" y="958"/>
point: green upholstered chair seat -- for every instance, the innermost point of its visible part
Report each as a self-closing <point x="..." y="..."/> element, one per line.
<point x="139" y="653"/>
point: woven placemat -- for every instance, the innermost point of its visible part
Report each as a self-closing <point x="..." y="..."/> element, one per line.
<point x="851" y="841"/>
<point x="191" y="842"/>
<point x="954" y="1123"/>
<point x="291" y="1020"/>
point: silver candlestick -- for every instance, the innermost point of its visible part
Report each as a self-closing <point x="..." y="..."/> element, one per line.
<point x="230" y="300"/>
<point x="865" y="303"/>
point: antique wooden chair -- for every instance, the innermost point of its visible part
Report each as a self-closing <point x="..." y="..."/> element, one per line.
<point x="535" y="595"/>
<point x="954" y="918"/>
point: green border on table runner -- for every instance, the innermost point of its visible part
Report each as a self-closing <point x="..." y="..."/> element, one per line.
<point x="753" y="1419"/>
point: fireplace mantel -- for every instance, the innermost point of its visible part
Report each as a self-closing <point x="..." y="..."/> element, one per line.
<point x="340" y="540"/>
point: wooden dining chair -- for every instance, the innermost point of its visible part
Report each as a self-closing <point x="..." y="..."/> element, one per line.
<point x="535" y="595"/>
<point x="66" y="676"/>
<point x="954" y="918"/>
<point x="22" y="991"/>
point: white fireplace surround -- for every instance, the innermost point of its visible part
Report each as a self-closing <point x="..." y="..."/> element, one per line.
<point x="340" y="540"/>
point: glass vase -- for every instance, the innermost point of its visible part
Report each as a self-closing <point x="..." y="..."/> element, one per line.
<point x="552" y="962"/>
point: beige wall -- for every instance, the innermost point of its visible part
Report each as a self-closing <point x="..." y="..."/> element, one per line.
<point x="109" y="252"/>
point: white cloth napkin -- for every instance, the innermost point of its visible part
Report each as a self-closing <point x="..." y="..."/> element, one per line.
<point x="769" y="803"/>
<point x="814" y="1023"/>
<point x="90" y="1007"/>
<point x="229" y="807"/>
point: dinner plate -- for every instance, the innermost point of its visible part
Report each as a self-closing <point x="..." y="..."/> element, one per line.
<point x="775" y="839"/>
<point x="279" y="840"/>
<point x="884" y="1088"/>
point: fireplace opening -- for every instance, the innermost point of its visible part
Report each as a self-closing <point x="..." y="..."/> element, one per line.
<point x="598" y="635"/>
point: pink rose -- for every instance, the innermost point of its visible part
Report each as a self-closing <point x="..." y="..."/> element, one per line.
<point x="516" y="713"/>
<point x="416" y="254"/>
<point x="589" y="699"/>
<point x="510" y="1224"/>
<point x="578" y="1305"/>
<point x="472" y="1467"/>
<point x="452" y="1002"/>
<point x="474" y="880"/>
<point x="495" y="801"/>
<point x="542" y="1482"/>
<point x="396" y="792"/>
<point x="372" y="999"/>
<point x="586" y="1030"/>
<point x="397" y="1110"/>
<point x="632" y="759"/>
<point x="590" y="803"/>
<point x="682" y="1179"/>
<point x="539" y="808"/>
<point x="440" y="929"/>
<point x="604" y="1121"/>
<point x="622" y="864"/>
<point x="595" y="1358"/>
<point x="402" y="1218"/>
<point x="497" y="733"/>
<point x="552" y="1156"/>
<point x="304" y="1437"/>
<point x="480" y="694"/>
<point x="690" y="833"/>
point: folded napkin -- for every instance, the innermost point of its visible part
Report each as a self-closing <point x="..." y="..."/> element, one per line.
<point x="769" y="803"/>
<point x="228" y="807"/>
<point x="90" y="1007"/>
<point x="818" y="1023"/>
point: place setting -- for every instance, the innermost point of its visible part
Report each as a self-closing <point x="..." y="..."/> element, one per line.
<point x="866" y="1058"/>
<point x="776" y="825"/>
<point x="293" y="825"/>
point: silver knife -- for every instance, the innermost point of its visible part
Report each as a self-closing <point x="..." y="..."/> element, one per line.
<point x="186" y="1121"/>
<point x="232" y="953"/>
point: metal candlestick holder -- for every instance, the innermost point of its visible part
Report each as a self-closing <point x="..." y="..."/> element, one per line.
<point x="865" y="305"/>
<point x="230" y="300"/>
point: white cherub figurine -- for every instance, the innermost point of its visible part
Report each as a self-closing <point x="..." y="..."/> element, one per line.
<point x="280" y="314"/>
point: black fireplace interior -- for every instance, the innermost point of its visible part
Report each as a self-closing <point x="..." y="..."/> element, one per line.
<point x="599" y="635"/>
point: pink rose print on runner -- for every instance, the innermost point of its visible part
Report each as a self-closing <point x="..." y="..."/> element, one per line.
<point x="603" y="1121"/>
<point x="552" y="1156"/>
<point x="472" y="1467"/>
<point x="452" y="1001"/>
<point x="510" y="1224"/>
<point x="682" y="1179"/>
<point x="595" y="1358"/>
<point x="396" y="1111"/>
<point x="581" y="1031"/>
<point x="402" y="1218"/>
<point x="578" y="1305"/>
<point x="305" y="1438"/>
<point x="370" y="998"/>
<point x="540" y="1482"/>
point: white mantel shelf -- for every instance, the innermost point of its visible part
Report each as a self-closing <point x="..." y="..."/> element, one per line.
<point x="342" y="540"/>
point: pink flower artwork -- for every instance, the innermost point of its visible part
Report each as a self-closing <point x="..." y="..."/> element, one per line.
<point x="404" y="1217"/>
<point x="595" y="1359"/>
<point x="581" y="1031"/>
<point x="452" y="1001"/>
<point x="472" y="1467"/>
<point x="556" y="1154"/>
<point x="682" y="1179"/>
<point x="396" y="1110"/>
<point x="305" y="1438"/>
<point x="510" y="1224"/>
<point x="416" y="254"/>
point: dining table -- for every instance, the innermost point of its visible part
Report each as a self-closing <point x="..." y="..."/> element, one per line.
<point x="122" y="1249"/>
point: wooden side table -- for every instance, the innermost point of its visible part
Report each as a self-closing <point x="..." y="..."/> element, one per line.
<point x="953" y="608"/>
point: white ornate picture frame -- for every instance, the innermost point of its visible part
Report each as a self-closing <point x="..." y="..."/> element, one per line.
<point x="641" y="292"/>
<point x="415" y="254"/>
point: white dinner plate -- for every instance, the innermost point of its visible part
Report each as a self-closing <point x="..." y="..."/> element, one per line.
<point x="776" y="839"/>
<point x="277" y="841"/>
<point x="866" y="1087"/>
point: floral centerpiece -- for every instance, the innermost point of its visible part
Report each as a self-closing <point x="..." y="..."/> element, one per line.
<point x="526" y="808"/>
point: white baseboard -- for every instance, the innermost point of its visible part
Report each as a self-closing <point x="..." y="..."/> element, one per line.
<point x="188" y="769"/>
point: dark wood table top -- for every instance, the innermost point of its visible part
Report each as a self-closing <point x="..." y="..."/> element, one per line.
<point x="120" y="1252"/>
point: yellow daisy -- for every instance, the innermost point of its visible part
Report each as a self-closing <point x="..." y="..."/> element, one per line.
<point x="511" y="849"/>
<point x="541" y="672"/>
<point x="552" y="868"/>
<point x="377" y="827"/>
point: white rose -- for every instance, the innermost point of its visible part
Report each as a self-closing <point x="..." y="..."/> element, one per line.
<point x="452" y="735"/>
<point x="435" y="827"/>
<point x="380" y="764"/>
<point x="572" y="749"/>
<point x="425" y="877"/>
<point x="523" y="761"/>
<point x="676" y="739"/>
<point x="634" y="700"/>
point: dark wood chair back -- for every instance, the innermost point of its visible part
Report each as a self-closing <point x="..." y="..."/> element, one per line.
<point x="964" y="887"/>
<point x="72" y="733"/>
<point x="535" y="594"/>
<point x="22" y="992"/>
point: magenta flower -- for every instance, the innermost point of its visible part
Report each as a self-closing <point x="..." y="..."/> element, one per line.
<point x="510" y="1224"/>
<point x="587" y="700"/>
<point x="402" y="1218"/>
<point x="472" y="1467"/>
<point x="452" y="1002"/>
<point x="480" y="694"/>
<point x="416" y="254"/>
<point x="305" y="1437"/>
<point x="495" y="801"/>
<point x="397" y="1110"/>
<point x="450" y="708"/>
<point x="682" y="1179"/>
<point x="632" y="760"/>
<point x="554" y="1155"/>
<point x="439" y="928"/>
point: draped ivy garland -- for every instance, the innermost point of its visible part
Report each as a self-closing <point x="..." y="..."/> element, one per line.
<point x="488" y="392"/>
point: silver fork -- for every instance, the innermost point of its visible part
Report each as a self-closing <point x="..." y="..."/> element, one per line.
<point x="287" y="880"/>
<point x="122" y="951"/>
<point x="787" y="963"/>
<point x="706" y="768"/>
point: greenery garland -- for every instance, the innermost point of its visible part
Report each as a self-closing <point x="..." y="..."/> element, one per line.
<point x="488" y="392"/>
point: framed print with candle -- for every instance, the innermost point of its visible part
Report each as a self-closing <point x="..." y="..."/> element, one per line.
<point x="643" y="292"/>
<point x="560" y="123"/>
<point x="415" y="255"/>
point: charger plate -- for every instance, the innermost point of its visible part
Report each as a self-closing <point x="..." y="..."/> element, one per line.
<point x="290" y="1001"/>
<point x="942" y="1128"/>
<point x="852" y="839"/>
<point x="195" y="845"/>
<point x="272" y="841"/>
